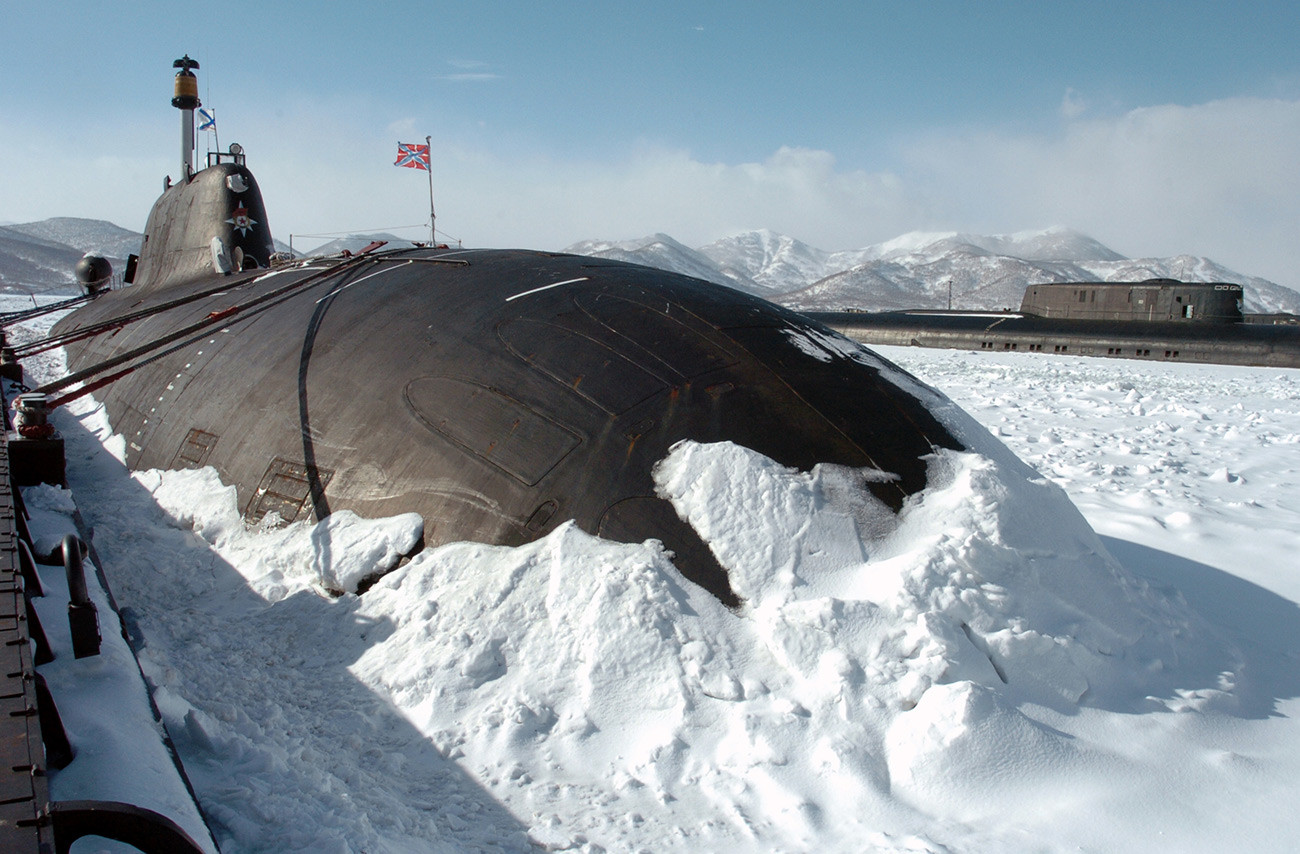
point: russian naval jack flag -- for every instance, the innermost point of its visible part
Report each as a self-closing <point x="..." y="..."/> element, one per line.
<point x="412" y="155"/>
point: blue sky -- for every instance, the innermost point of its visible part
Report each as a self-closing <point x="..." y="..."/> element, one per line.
<point x="1158" y="128"/>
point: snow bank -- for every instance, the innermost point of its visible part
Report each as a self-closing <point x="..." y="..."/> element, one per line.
<point x="881" y="669"/>
<point x="102" y="701"/>
<point x="861" y="674"/>
<point x="339" y="554"/>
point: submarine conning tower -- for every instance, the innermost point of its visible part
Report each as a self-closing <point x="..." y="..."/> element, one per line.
<point x="1152" y="300"/>
<point x="212" y="220"/>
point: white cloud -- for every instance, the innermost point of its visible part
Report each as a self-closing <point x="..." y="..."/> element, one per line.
<point x="469" y="77"/>
<point x="795" y="190"/>
<point x="469" y="70"/>
<point x="1220" y="179"/>
<point x="1072" y="105"/>
<point x="544" y="203"/>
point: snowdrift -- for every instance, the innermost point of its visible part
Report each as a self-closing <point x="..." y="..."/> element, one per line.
<point x="885" y="671"/>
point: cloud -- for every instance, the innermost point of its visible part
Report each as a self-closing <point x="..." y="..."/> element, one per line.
<point x="797" y="191"/>
<point x="1220" y="179"/>
<point x="469" y="71"/>
<point x="466" y="76"/>
<point x="1072" y="106"/>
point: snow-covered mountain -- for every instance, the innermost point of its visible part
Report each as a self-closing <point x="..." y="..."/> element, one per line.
<point x="357" y="242"/>
<point x="1051" y="244"/>
<point x="914" y="270"/>
<point x="917" y="269"/>
<point x="662" y="252"/>
<point x="772" y="261"/>
<point x="85" y="235"/>
<point x="29" y="264"/>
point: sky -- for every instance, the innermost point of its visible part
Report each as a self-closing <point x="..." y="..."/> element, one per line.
<point x="1158" y="128"/>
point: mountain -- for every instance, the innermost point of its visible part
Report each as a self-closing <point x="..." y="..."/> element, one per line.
<point x="355" y="243"/>
<point x="916" y="270"/>
<point x="85" y="235"/>
<point x="29" y="264"/>
<point x="771" y="261"/>
<point x="1051" y="244"/>
<point x="662" y="252"/>
<point x="40" y="256"/>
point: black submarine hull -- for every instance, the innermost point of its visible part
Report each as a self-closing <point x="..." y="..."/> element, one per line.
<point x="1254" y="344"/>
<point x="497" y="393"/>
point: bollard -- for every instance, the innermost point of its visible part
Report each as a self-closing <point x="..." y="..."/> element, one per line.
<point x="31" y="417"/>
<point x="35" y="447"/>
<point x="10" y="368"/>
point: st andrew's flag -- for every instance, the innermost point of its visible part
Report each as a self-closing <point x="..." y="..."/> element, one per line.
<point x="412" y="155"/>
<point x="207" y="121"/>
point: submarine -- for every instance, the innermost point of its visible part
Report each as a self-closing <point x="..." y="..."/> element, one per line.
<point x="497" y="393"/>
<point x="1155" y="319"/>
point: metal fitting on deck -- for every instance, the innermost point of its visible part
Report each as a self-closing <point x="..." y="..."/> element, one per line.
<point x="10" y="369"/>
<point x="83" y="618"/>
<point x="31" y="417"/>
<point x="35" y="447"/>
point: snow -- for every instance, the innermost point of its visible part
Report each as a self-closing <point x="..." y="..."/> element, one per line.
<point x="1081" y="636"/>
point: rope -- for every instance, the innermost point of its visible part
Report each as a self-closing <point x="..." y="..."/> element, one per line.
<point x="222" y="319"/>
<point x="49" y="343"/>
<point x="11" y="317"/>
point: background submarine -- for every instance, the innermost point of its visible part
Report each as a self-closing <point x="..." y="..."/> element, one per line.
<point x="1156" y="319"/>
<point x="497" y="393"/>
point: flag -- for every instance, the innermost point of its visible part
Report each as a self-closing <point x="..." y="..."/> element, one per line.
<point x="412" y="155"/>
<point x="207" y="121"/>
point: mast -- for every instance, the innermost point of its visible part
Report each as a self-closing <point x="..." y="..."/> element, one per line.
<point x="433" y="239"/>
<point x="186" y="99"/>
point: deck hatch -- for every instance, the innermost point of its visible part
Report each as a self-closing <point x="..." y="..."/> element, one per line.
<point x="284" y="489"/>
<point x="195" y="449"/>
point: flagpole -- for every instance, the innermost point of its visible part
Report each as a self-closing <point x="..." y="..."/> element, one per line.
<point x="433" y="239"/>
